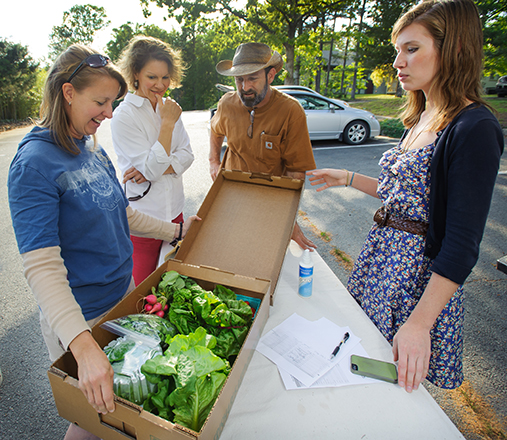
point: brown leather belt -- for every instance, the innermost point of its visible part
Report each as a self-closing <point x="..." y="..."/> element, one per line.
<point x="383" y="218"/>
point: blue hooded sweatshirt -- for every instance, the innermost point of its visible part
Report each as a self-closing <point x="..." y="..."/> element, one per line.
<point x="75" y="202"/>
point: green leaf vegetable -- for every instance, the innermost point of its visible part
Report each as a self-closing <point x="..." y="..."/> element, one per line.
<point x="189" y="378"/>
<point x="219" y="312"/>
<point x="185" y="382"/>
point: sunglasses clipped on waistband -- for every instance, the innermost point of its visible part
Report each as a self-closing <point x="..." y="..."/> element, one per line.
<point x="139" y="197"/>
<point x="95" y="60"/>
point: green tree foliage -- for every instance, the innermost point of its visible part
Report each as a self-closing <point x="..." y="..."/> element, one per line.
<point x="201" y="44"/>
<point x="79" y="25"/>
<point x="18" y="74"/>
<point x="494" y="17"/>
<point x="282" y="20"/>
<point x="377" y="48"/>
<point x="384" y="73"/>
<point x="377" y="53"/>
<point x="121" y="37"/>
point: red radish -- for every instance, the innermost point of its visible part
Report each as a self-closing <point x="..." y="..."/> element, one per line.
<point x="160" y="313"/>
<point x="148" y="307"/>
<point x="156" y="307"/>
<point x="151" y="299"/>
<point x="165" y="308"/>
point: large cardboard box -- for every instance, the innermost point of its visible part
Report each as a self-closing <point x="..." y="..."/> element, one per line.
<point x="247" y="224"/>
<point x="240" y="243"/>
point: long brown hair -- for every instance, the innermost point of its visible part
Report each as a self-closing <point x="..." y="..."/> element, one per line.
<point x="52" y="111"/>
<point x="456" y="29"/>
<point x="141" y="50"/>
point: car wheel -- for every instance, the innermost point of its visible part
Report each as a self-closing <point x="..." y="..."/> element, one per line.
<point x="356" y="133"/>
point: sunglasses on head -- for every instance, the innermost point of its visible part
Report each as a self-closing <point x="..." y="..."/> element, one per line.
<point x="95" y="60"/>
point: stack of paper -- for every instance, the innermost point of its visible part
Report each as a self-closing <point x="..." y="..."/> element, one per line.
<point x="302" y="351"/>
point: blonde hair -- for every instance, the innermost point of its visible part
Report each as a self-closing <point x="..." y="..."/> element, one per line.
<point x="141" y="50"/>
<point x="456" y="29"/>
<point x="52" y="112"/>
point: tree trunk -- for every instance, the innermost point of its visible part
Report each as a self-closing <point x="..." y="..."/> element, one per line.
<point x="290" y="54"/>
<point x="319" y="68"/>
<point x="330" y="59"/>
<point x="344" y="65"/>
<point x="399" y="89"/>
<point x="354" y="81"/>
<point x="297" y="68"/>
<point x="289" y="63"/>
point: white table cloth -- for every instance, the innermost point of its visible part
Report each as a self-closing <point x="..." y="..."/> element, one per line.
<point x="264" y="409"/>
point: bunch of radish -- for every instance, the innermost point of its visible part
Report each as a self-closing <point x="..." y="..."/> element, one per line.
<point x="156" y="305"/>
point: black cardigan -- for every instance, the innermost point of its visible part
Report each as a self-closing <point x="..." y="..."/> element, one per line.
<point x="463" y="171"/>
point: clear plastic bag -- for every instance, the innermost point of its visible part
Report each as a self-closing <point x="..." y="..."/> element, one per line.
<point x="140" y="338"/>
<point x="127" y="356"/>
<point x="142" y="327"/>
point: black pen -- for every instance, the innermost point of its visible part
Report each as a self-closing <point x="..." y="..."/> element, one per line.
<point x="337" y="349"/>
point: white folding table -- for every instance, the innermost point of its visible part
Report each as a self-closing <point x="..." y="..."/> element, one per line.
<point x="264" y="409"/>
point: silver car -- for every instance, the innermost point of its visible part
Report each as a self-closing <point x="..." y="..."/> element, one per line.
<point x="328" y="118"/>
<point x="334" y="119"/>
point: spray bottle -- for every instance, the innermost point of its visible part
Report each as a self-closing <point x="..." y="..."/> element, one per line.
<point x="306" y="275"/>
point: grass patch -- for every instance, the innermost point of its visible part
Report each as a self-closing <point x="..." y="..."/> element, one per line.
<point x="326" y="236"/>
<point x="476" y="415"/>
<point x="500" y="105"/>
<point x="389" y="106"/>
<point x="342" y="257"/>
<point x="380" y="105"/>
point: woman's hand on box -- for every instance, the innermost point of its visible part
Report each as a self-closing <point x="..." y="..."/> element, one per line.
<point x="188" y="223"/>
<point x="94" y="372"/>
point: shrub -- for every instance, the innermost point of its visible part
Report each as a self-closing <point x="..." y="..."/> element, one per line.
<point x="391" y="127"/>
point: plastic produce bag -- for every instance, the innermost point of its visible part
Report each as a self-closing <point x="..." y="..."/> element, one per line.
<point x="140" y="339"/>
<point x="127" y="356"/>
<point x="141" y="327"/>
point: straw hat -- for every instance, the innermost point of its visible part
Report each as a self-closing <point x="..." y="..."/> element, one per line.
<point x="250" y="58"/>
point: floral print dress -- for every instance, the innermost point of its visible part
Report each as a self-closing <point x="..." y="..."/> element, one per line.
<point x="391" y="272"/>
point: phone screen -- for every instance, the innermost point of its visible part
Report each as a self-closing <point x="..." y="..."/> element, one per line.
<point x="373" y="368"/>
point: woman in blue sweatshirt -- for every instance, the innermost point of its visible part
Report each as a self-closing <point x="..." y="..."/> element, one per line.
<point x="72" y="220"/>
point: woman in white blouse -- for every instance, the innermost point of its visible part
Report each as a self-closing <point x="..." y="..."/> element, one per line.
<point x="151" y="142"/>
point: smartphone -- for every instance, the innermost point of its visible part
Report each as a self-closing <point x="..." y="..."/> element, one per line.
<point x="373" y="368"/>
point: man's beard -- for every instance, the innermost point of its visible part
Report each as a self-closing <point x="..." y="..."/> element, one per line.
<point x="252" y="102"/>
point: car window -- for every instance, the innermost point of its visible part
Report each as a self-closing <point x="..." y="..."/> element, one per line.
<point x="312" y="102"/>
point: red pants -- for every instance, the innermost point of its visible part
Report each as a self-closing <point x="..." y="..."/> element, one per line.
<point x="146" y="254"/>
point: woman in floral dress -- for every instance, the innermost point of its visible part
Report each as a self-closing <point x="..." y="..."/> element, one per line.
<point x="425" y="240"/>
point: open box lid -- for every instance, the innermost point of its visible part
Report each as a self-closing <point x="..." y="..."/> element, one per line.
<point x="247" y="223"/>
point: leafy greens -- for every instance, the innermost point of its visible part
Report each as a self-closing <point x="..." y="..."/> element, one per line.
<point x="189" y="378"/>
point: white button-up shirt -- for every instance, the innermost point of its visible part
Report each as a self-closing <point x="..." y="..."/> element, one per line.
<point x="135" y="129"/>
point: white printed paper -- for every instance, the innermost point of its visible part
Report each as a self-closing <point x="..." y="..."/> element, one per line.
<point x="339" y="375"/>
<point x="302" y="348"/>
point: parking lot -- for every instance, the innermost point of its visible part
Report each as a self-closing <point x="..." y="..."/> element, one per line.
<point x="337" y="220"/>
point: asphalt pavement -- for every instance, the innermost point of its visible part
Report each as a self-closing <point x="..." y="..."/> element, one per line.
<point x="342" y="216"/>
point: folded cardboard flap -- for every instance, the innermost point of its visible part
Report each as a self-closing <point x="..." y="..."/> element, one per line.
<point x="246" y="225"/>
